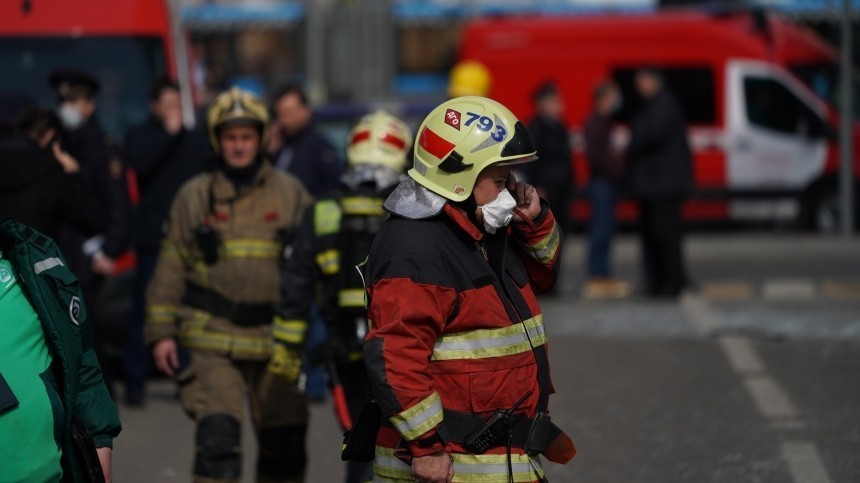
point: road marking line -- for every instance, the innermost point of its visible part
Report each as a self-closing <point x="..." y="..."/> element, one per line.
<point x="788" y="289"/>
<point x="841" y="290"/>
<point x="728" y="290"/>
<point x="804" y="463"/>
<point x="741" y="355"/>
<point x="771" y="400"/>
<point x="700" y="314"/>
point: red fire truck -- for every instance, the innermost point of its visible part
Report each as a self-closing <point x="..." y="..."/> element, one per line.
<point x="125" y="44"/>
<point x="759" y="94"/>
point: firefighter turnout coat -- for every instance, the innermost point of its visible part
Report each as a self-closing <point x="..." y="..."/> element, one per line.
<point x="456" y="326"/>
<point x="252" y="226"/>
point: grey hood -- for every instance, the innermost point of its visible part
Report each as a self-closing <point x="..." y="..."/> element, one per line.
<point x="412" y="201"/>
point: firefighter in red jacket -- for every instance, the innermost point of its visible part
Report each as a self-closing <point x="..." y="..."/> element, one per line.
<point x="457" y="334"/>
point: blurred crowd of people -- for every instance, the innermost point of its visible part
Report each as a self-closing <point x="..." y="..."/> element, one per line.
<point x="234" y="260"/>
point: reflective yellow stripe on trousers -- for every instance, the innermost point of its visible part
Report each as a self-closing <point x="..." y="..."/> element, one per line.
<point x="485" y="343"/>
<point x="195" y="336"/>
<point x="467" y="468"/>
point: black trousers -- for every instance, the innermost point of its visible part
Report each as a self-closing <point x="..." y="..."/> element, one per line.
<point x="662" y="231"/>
<point x="356" y="388"/>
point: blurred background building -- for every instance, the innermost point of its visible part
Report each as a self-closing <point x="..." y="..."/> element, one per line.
<point x="360" y="49"/>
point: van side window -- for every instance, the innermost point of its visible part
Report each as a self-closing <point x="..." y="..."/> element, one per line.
<point x="771" y="105"/>
<point x="693" y="87"/>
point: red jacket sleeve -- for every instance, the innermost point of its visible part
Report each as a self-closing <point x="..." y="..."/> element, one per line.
<point x="406" y="319"/>
<point x="541" y="240"/>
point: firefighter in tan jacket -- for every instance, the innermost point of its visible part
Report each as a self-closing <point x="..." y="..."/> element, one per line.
<point x="213" y="293"/>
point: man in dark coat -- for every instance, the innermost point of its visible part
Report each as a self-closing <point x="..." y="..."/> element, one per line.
<point x="298" y="148"/>
<point x="163" y="154"/>
<point x="91" y="260"/>
<point x="552" y="175"/>
<point x="34" y="189"/>
<point x="660" y="167"/>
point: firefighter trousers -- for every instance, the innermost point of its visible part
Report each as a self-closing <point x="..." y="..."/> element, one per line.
<point x="213" y="390"/>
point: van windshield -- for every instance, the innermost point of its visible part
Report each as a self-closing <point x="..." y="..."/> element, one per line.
<point x="125" y="67"/>
<point x="823" y="79"/>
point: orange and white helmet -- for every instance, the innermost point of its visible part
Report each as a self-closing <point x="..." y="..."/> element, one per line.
<point x="379" y="139"/>
<point x="460" y="138"/>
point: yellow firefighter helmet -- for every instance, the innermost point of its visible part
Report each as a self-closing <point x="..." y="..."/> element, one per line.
<point x="237" y="106"/>
<point x="469" y="78"/>
<point x="463" y="136"/>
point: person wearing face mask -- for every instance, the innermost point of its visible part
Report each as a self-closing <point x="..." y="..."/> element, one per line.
<point x="92" y="259"/>
<point x="457" y="335"/>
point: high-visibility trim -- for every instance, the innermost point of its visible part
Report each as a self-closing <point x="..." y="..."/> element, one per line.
<point x="494" y="467"/>
<point x="329" y="262"/>
<point x="544" y="251"/>
<point x="248" y="248"/>
<point x="195" y="336"/>
<point x="486" y="343"/>
<point x="214" y="341"/>
<point x="162" y="314"/>
<point x="170" y="250"/>
<point x="353" y="297"/>
<point x="467" y="467"/>
<point x="47" y="264"/>
<point x="386" y="466"/>
<point x="200" y="275"/>
<point x="419" y="418"/>
<point x="290" y="331"/>
<point x="326" y="217"/>
<point x="360" y="205"/>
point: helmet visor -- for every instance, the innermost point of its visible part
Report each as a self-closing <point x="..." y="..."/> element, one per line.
<point x="521" y="147"/>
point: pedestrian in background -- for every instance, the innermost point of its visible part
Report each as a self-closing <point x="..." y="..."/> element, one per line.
<point x="552" y="175"/>
<point x="93" y="260"/>
<point x="456" y="329"/>
<point x="335" y="237"/>
<point x="102" y="168"/>
<point x="50" y="379"/>
<point x="215" y="285"/>
<point x="661" y="177"/>
<point x="298" y="148"/>
<point x="164" y="154"/>
<point x="35" y="188"/>
<point x="606" y="170"/>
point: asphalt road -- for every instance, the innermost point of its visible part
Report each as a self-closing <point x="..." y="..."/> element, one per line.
<point x="751" y="378"/>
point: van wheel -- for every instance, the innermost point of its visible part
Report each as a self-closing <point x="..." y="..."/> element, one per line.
<point x="826" y="211"/>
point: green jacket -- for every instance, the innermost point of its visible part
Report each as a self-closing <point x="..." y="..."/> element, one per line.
<point x="55" y="295"/>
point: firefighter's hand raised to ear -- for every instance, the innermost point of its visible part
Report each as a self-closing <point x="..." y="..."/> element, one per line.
<point x="526" y="196"/>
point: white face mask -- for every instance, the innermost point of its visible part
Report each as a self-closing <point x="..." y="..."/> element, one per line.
<point x="498" y="213"/>
<point x="70" y="116"/>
